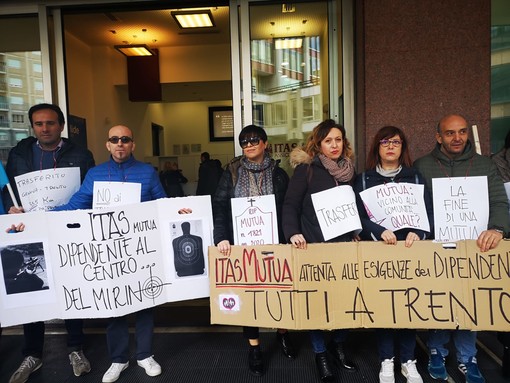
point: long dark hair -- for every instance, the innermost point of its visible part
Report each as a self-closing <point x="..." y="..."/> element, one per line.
<point x="386" y="132"/>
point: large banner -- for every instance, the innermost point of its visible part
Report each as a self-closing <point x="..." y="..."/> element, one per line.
<point x="104" y="263"/>
<point x="362" y="285"/>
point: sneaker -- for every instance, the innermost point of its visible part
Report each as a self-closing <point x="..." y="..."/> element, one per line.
<point x="151" y="367"/>
<point x="410" y="372"/>
<point x="25" y="369"/>
<point x="471" y="371"/>
<point x="387" y="373"/>
<point x="114" y="371"/>
<point x="80" y="363"/>
<point x="436" y="367"/>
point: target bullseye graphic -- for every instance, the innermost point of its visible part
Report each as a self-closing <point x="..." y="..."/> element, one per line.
<point x="152" y="287"/>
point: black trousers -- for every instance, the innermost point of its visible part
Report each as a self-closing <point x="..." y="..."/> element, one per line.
<point x="34" y="337"/>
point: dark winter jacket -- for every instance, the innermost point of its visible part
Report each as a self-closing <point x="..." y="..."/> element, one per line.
<point x="222" y="209"/>
<point x="299" y="217"/>
<point x="436" y="164"/>
<point x="209" y="174"/>
<point x="20" y="161"/>
<point x="111" y="171"/>
<point x="372" y="230"/>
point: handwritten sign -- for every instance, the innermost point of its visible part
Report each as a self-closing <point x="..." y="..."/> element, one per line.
<point x="336" y="211"/>
<point x="255" y="220"/>
<point x="362" y="285"/>
<point x="461" y="207"/>
<point x="109" y="262"/>
<point x="109" y="194"/>
<point x="396" y="206"/>
<point x="47" y="189"/>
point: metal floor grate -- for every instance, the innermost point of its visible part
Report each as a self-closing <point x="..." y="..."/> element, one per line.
<point x="220" y="357"/>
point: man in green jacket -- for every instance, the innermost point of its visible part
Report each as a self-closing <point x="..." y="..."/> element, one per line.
<point x="455" y="156"/>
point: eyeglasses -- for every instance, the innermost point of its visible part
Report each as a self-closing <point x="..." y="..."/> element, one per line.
<point x="386" y="143"/>
<point x="123" y="139"/>
<point x="254" y="141"/>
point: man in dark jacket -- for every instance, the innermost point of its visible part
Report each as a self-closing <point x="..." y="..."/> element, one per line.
<point x="46" y="150"/>
<point x="209" y="174"/>
<point x="455" y="156"/>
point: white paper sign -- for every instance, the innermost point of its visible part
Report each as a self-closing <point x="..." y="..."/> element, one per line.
<point x="104" y="263"/>
<point x="461" y="207"/>
<point x="255" y="220"/>
<point x="397" y="206"/>
<point x="109" y="194"/>
<point x="336" y="211"/>
<point x="47" y="189"/>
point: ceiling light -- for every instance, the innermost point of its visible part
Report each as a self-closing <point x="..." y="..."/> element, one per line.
<point x="135" y="50"/>
<point x="193" y="19"/>
<point x="288" y="43"/>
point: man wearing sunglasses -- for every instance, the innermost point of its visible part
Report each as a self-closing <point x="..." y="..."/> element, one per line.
<point x="47" y="150"/>
<point x="122" y="167"/>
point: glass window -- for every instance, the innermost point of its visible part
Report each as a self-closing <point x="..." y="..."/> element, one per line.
<point x="21" y="78"/>
<point x="500" y="76"/>
<point x="15" y="82"/>
<point x="288" y="87"/>
<point x="19" y="118"/>
<point x="13" y="63"/>
<point x="16" y="100"/>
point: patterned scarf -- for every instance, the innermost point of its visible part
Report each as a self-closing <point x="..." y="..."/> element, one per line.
<point x="342" y="171"/>
<point x="254" y="179"/>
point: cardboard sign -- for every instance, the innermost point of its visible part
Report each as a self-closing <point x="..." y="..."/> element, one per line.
<point x="461" y="207"/>
<point x="362" y="285"/>
<point x="104" y="263"/>
<point x="336" y="211"/>
<point x="47" y="189"/>
<point x="396" y="206"/>
<point x="110" y="194"/>
<point x="255" y="220"/>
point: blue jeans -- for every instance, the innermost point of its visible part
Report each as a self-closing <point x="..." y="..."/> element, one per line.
<point x="117" y="336"/>
<point x="464" y="340"/>
<point x="318" y="342"/>
<point x="386" y="343"/>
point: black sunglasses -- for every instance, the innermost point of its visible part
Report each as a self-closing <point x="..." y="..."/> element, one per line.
<point x="254" y="141"/>
<point x="123" y="139"/>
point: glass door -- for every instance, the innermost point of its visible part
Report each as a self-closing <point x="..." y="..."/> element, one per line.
<point x="288" y="59"/>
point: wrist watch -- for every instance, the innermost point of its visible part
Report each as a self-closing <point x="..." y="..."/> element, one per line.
<point x="499" y="230"/>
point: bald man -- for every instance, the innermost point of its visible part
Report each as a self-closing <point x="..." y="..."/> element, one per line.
<point x="454" y="156"/>
<point x="123" y="167"/>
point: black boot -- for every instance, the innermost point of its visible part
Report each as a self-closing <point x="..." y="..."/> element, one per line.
<point x="337" y="350"/>
<point x="255" y="361"/>
<point x="506" y="362"/>
<point x="323" y="368"/>
<point x="286" y="345"/>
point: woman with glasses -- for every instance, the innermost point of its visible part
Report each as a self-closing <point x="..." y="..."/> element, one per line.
<point x="324" y="163"/>
<point x="254" y="173"/>
<point x="389" y="161"/>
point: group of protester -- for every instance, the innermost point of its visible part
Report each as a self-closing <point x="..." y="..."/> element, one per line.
<point x="48" y="150"/>
<point x="325" y="161"/>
